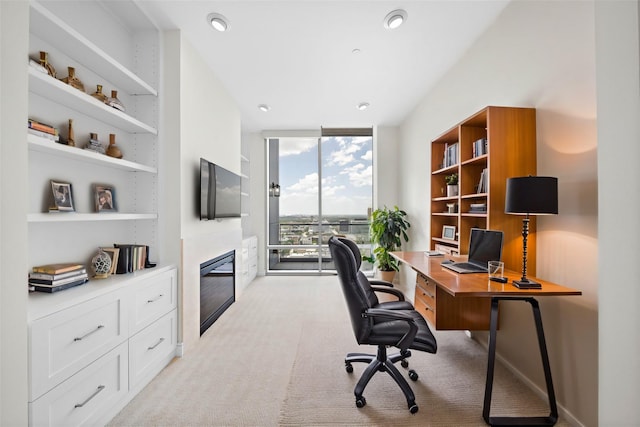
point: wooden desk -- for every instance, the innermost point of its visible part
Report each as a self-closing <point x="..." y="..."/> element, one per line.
<point x="471" y="301"/>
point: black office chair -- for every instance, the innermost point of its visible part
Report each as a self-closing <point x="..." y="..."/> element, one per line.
<point x="377" y="285"/>
<point x="378" y="325"/>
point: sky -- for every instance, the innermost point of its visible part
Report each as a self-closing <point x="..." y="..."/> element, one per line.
<point x="347" y="172"/>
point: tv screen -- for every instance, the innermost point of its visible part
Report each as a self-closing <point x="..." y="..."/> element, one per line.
<point x="219" y="192"/>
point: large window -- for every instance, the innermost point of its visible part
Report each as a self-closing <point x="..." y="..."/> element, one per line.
<point x="318" y="187"/>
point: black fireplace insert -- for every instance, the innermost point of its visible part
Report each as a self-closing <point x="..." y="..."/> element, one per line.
<point x="217" y="288"/>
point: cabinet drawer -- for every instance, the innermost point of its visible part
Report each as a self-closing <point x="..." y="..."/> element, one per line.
<point x="153" y="298"/>
<point x="85" y="397"/>
<point x="427" y="311"/>
<point x="63" y="343"/>
<point x="151" y="349"/>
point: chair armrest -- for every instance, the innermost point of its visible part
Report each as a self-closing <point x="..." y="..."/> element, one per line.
<point x="380" y="282"/>
<point x="385" y="314"/>
<point x="391" y="291"/>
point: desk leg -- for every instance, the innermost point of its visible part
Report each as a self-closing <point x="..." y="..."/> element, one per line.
<point x="518" y="421"/>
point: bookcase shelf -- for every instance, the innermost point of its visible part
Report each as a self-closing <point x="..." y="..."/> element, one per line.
<point x="510" y="147"/>
<point x="85" y="217"/>
<point x="44" y="145"/>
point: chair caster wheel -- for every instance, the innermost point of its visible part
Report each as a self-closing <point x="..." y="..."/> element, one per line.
<point x="413" y="408"/>
<point x="361" y="402"/>
<point x="413" y="375"/>
<point x="404" y="363"/>
<point x="349" y="367"/>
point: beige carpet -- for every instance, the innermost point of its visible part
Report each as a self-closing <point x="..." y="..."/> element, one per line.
<point x="276" y="357"/>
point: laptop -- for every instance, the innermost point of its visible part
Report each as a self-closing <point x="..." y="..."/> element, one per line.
<point x="484" y="246"/>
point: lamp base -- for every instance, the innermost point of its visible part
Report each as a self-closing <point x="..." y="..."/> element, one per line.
<point x="526" y="284"/>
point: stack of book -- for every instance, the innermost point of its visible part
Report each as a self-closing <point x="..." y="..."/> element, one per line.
<point x="479" y="147"/>
<point x="43" y="130"/>
<point x="478" y="208"/>
<point x="57" y="277"/>
<point x="131" y="258"/>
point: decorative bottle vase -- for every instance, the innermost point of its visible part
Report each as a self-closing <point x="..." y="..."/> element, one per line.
<point x="44" y="61"/>
<point x="112" y="149"/>
<point x="99" y="95"/>
<point x="71" y="140"/>
<point x="94" y="144"/>
<point x="101" y="264"/>
<point x="72" y="80"/>
<point x="114" y="102"/>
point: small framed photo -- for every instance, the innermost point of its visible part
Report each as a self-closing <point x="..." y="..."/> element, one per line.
<point x="113" y="254"/>
<point x="62" y="196"/>
<point x="449" y="232"/>
<point x="105" y="197"/>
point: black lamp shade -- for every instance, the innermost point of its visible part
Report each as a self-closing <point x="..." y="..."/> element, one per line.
<point x="536" y="195"/>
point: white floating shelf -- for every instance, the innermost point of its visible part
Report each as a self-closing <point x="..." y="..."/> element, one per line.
<point x="87" y="217"/>
<point x="44" y="145"/>
<point x="62" y="93"/>
<point x="49" y="27"/>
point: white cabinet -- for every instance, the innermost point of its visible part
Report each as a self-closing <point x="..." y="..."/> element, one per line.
<point x="89" y="358"/>
<point x="249" y="259"/>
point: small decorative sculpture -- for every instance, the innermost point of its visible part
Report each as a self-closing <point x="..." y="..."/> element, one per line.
<point x="72" y="80"/>
<point x="114" y="102"/>
<point x="94" y="144"/>
<point x="99" y="95"/>
<point x="71" y="140"/>
<point x="112" y="149"/>
<point x="44" y="61"/>
<point x="101" y="264"/>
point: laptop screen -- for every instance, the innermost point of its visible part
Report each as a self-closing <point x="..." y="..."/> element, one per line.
<point x="485" y="246"/>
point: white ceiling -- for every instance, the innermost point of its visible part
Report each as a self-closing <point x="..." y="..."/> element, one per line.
<point x="296" y="56"/>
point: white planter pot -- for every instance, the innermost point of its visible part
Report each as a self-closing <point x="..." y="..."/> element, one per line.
<point x="452" y="190"/>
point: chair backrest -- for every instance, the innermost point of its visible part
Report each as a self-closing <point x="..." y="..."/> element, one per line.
<point x="371" y="295"/>
<point x="352" y="288"/>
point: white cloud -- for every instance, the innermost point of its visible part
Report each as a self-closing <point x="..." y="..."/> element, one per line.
<point x="307" y="184"/>
<point x="294" y="146"/>
<point x="367" y="156"/>
<point x="361" y="178"/>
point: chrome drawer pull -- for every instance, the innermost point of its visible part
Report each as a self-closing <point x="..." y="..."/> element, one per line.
<point x="89" y="333"/>
<point x="157" y="344"/>
<point x="80" y="405"/>
<point x="155" y="299"/>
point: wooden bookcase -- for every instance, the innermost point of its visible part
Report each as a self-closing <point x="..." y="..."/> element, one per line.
<point x="510" y="151"/>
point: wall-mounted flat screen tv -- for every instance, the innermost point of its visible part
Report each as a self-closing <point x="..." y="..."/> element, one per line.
<point x="219" y="192"/>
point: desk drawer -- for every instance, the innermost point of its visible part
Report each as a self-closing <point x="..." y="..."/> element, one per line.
<point x="63" y="343"/>
<point x="427" y="311"/>
<point x="84" y="398"/>
<point x="427" y="285"/>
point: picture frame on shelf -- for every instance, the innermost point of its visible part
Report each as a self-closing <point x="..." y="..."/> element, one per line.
<point x="114" y="254"/>
<point x="449" y="232"/>
<point x="105" y="198"/>
<point x="62" y="196"/>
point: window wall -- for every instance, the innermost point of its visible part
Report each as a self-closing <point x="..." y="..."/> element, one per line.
<point x="317" y="187"/>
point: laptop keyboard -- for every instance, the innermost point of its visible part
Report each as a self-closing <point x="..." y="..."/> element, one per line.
<point x="469" y="266"/>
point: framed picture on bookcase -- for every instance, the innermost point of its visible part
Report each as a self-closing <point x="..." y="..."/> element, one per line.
<point x="62" y="196"/>
<point x="449" y="232"/>
<point x="105" y="198"/>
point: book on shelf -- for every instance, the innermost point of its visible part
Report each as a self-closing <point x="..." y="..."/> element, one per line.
<point x="479" y="147"/>
<point x="131" y="257"/>
<point x="482" y="184"/>
<point x="52" y="289"/>
<point x="450" y="155"/>
<point x="57" y="268"/>
<point x="47" y="276"/>
<point x="45" y="135"/>
<point x="42" y="127"/>
<point x="57" y="282"/>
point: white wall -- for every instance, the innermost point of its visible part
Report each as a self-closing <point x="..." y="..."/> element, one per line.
<point x="201" y="120"/>
<point x="618" y="71"/>
<point x="14" y="36"/>
<point x="537" y="54"/>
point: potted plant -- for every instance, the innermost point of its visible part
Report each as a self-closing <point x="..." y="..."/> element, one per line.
<point x="388" y="227"/>
<point x="452" y="184"/>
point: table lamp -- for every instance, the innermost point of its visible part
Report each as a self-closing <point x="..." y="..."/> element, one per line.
<point x="530" y="195"/>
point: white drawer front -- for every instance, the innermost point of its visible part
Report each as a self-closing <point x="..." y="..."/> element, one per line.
<point x="150" y="349"/>
<point x="63" y="343"/>
<point x="152" y="299"/>
<point x="86" y="396"/>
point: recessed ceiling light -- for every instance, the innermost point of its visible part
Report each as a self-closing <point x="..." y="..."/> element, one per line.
<point x="218" y="22"/>
<point x="395" y="18"/>
<point x="264" y="107"/>
<point x="355" y="51"/>
<point x="362" y="106"/>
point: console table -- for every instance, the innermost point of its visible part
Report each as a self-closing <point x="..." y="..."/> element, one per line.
<point x="471" y="301"/>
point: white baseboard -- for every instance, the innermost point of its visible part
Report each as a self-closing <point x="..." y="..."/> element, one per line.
<point x="563" y="412"/>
